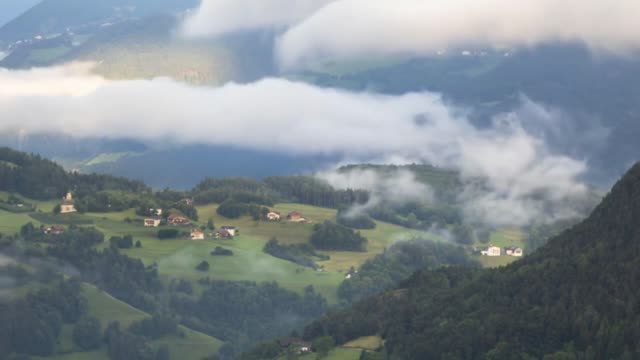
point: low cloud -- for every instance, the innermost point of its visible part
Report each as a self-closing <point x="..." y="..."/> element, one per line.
<point x="314" y="30"/>
<point x="347" y="28"/>
<point x="68" y="80"/>
<point x="219" y="17"/>
<point x="572" y="134"/>
<point x="297" y="118"/>
<point x="392" y="188"/>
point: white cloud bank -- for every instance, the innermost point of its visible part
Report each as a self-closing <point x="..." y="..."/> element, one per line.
<point x="297" y="118"/>
<point x="381" y="27"/>
<point x="218" y="17"/>
<point x="347" y="28"/>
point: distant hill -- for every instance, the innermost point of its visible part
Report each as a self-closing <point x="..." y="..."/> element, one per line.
<point x="572" y="299"/>
<point x="41" y="179"/>
<point x="55" y="16"/>
<point x="146" y="48"/>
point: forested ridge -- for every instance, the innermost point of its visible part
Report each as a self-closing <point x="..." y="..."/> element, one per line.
<point x="575" y="298"/>
<point x="38" y="178"/>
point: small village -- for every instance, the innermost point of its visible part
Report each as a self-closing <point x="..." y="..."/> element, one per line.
<point x="225" y="232"/>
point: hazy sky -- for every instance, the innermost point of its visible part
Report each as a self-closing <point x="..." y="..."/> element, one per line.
<point x="351" y="28"/>
<point x="9" y="9"/>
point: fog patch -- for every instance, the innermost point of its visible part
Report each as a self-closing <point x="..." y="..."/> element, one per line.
<point x="393" y="189"/>
<point x="219" y="17"/>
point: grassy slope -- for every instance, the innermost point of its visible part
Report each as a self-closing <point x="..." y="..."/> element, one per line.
<point x="10" y="223"/>
<point x="178" y="258"/>
<point x="367" y="343"/>
<point x="194" y="345"/>
<point x="335" y="354"/>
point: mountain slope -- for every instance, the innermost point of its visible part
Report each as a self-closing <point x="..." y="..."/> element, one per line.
<point x="55" y="16"/>
<point x="577" y="297"/>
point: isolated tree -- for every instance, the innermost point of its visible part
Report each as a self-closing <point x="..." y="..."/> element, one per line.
<point x="203" y="266"/>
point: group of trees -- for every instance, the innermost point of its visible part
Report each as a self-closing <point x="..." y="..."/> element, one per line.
<point x="125" y="278"/>
<point x="332" y="236"/>
<point x="122" y="344"/>
<point x="124" y="242"/>
<point x="156" y="327"/>
<point x="31" y="325"/>
<point x="233" y="209"/>
<point x="244" y="313"/>
<point x="571" y="299"/>
<point x="87" y="334"/>
<point x="313" y="191"/>
<point x="37" y="178"/>
<point x="398" y="263"/>
<point x="417" y="215"/>
<point x="356" y="220"/>
<point x="164" y="234"/>
<point x="301" y="254"/>
<point x="243" y="190"/>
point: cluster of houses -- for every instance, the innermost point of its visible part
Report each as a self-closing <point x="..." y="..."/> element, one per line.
<point x="225" y="232"/>
<point x="498" y="251"/>
<point x="172" y="220"/>
<point x="293" y="216"/>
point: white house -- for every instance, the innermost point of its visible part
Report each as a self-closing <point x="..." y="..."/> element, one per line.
<point x="514" y="251"/>
<point x="492" y="251"/>
<point x="197" y="235"/>
<point x="273" y="216"/>
<point x="296" y="216"/>
<point x="152" y="222"/>
<point x="68" y="205"/>
<point x="232" y="230"/>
